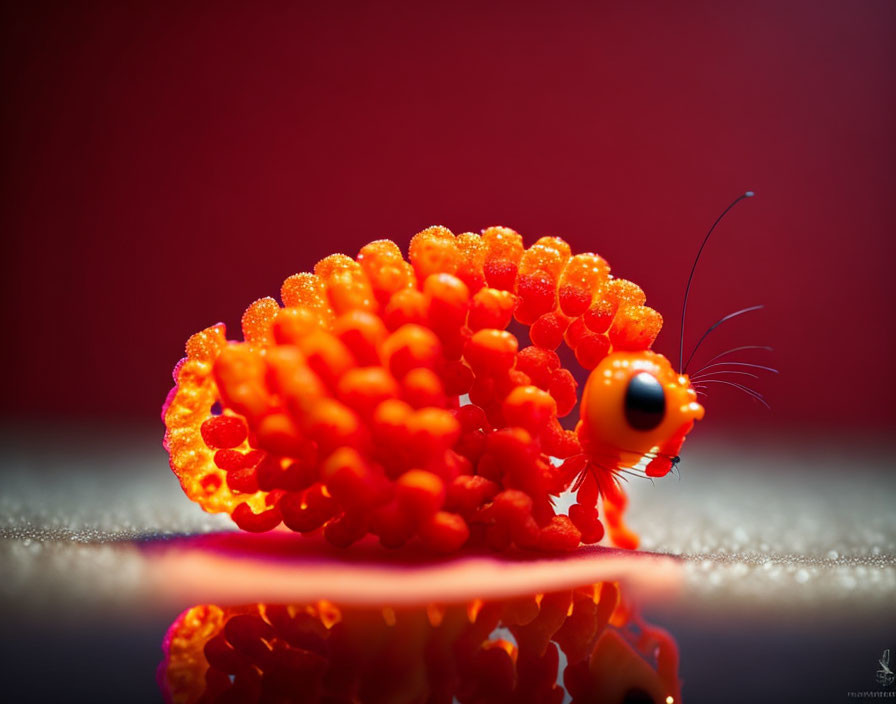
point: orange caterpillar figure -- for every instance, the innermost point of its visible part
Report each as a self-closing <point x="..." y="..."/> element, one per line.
<point x="345" y="409"/>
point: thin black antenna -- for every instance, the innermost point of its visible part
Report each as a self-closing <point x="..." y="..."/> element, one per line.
<point x="713" y="327"/>
<point x="687" y="290"/>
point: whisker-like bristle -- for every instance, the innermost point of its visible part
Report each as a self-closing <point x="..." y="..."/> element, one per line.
<point x="737" y="364"/>
<point x="711" y="375"/>
<point x="765" y="348"/>
<point x="743" y="387"/>
<point x="629" y="473"/>
<point x="746" y="389"/>
<point x="716" y="324"/>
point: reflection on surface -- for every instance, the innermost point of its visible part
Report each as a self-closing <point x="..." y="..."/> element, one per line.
<point x="586" y="644"/>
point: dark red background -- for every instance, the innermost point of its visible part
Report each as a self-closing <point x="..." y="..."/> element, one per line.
<point x="163" y="167"/>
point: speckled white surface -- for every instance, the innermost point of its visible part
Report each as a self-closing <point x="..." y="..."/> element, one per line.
<point x="755" y="524"/>
<point x="777" y="523"/>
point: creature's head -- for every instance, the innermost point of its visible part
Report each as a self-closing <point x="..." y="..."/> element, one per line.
<point x="635" y="404"/>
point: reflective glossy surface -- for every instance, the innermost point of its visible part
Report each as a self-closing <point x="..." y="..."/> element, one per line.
<point x="587" y="644"/>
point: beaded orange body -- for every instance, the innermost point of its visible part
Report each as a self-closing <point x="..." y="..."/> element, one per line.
<point x="388" y="397"/>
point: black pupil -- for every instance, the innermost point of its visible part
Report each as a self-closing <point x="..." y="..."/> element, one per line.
<point x="645" y="402"/>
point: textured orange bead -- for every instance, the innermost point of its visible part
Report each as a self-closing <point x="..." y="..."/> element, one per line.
<point x="599" y="316"/>
<point x="491" y="308"/>
<point x="539" y="271"/>
<point x="548" y="254"/>
<point x="363" y="334"/>
<point x="407" y="307"/>
<point x="562" y="388"/>
<point x="625" y="293"/>
<point x="537" y="295"/>
<point x="491" y="351"/>
<point x="433" y="251"/>
<point x="409" y="347"/>
<point x="538" y="364"/>
<point x="386" y="269"/>
<point x="332" y="424"/>
<point x="560" y="535"/>
<point x="575" y="332"/>
<point x="326" y="356"/>
<point x="350" y="479"/>
<point x="260" y="522"/>
<point x="223" y="431"/>
<point x="289" y="376"/>
<point x="586" y="520"/>
<point x="347" y="285"/>
<point x="290" y="325"/>
<point x="582" y="277"/>
<point x="432" y="431"/>
<point x="635" y="329"/>
<point x="422" y="387"/>
<point x="547" y="331"/>
<point x="529" y="407"/>
<point x="448" y="300"/>
<point x="471" y="260"/>
<point x="240" y="373"/>
<point x="258" y="320"/>
<point x="444" y="532"/>
<point x="277" y="433"/>
<point x="504" y="249"/>
<point x="306" y="290"/>
<point x="591" y="348"/>
<point x="420" y="494"/>
<point x="365" y="388"/>
<point x="467" y="492"/>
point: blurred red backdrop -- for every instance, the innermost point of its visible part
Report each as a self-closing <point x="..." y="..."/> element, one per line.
<point x="163" y="166"/>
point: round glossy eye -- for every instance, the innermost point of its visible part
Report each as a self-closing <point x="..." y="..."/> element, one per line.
<point x="645" y="402"/>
